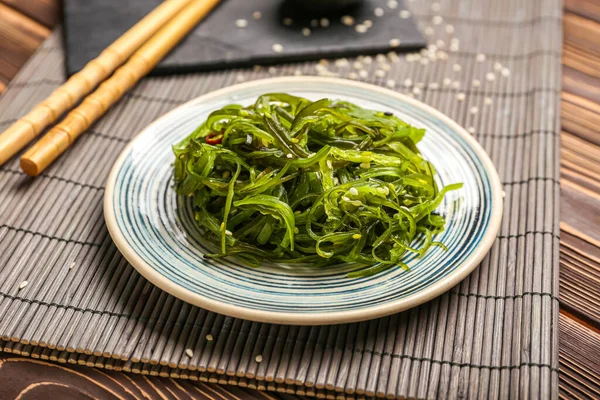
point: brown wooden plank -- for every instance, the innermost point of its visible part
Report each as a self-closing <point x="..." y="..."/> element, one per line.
<point x="586" y="8"/>
<point x="45" y="12"/>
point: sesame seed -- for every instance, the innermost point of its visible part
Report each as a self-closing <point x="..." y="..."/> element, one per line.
<point x="395" y="42"/>
<point x="360" y="28"/>
<point x="453" y="47"/>
<point x="297" y="72"/>
<point x="363" y="74"/>
<point x="471" y="129"/>
<point x="497" y="66"/>
<point x="189" y="353"/>
<point x="228" y="232"/>
<point x="435" y="7"/>
<point x="490" y="76"/>
<point x="241" y="23"/>
<point x="368" y="23"/>
<point x="454" y="40"/>
<point x="503" y="194"/>
<point x="288" y="21"/>
<point x="380" y="73"/>
<point x="353" y="75"/>
<point x="487" y="101"/>
<point x="290" y="155"/>
<point x="272" y="70"/>
<point x="306" y="31"/>
<point x="455" y="84"/>
<point x="314" y="23"/>
<point x="480" y="57"/>
<point x="407" y="83"/>
<point x="365" y="165"/>
<point x="72" y="265"/>
<point x="474" y="110"/>
<point x="353" y="191"/>
<point x="277" y="48"/>
<point x="424" y="61"/>
<point x="434" y="86"/>
<point x="440" y="43"/>
<point x="356" y="236"/>
<point x="442" y="55"/>
<point x="378" y="12"/>
<point x="256" y="15"/>
<point x="380" y="58"/>
<point x="437" y="20"/>
<point x="505" y="72"/>
<point x="460" y="96"/>
<point x="447" y="82"/>
<point x="209" y="337"/>
<point x="323" y="62"/>
<point x="23" y="284"/>
<point x="357" y="65"/>
<point x="476" y="83"/>
<point x="367" y="60"/>
<point x="393" y="4"/>
<point x="258" y="358"/>
<point x="449" y="29"/>
<point x="341" y="62"/>
<point x="347" y="20"/>
<point x="324" y="22"/>
<point x="456" y="68"/>
<point x="428" y="31"/>
<point x="416" y="91"/>
<point x="390" y="83"/>
<point x="405" y="14"/>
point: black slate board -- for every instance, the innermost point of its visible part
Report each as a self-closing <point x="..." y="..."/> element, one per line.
<point x="91" y="25"/>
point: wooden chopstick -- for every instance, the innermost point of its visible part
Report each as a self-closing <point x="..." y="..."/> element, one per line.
<point x="62" y="99"/>
<point x="61" y="136"/>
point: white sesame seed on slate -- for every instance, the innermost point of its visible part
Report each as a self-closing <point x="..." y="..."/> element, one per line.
<point x="272" y="70"/>
<point x="288" y="21"/>
<point x="258" y="358"/>
<point x="347" y="20"/>
<point x="393" y="56"/>
<point x="256" y="15"/>
<point x="435" y="7"/>
<point x="471" y="129"/>
<point x="432" y="48"/>
<point x="241" y="23"/>
<point x="353" y="75"/>
<point x="323" y="62"/>
<point x="497" y="66"/>
<point x="476" y="83"/>
<point x="437" y="20"/>
<point x="367" y="60"/>
<point x="297" y="72"/>
<point x="314" y="23"/>
<point x="449" y="29"/>
<point x="363" y="74"/>
<point x="341" y="62"/>
<point x="189" y="353"/>
<point x="209" y="337"/>
<point x="454" y="47"/>
<point x="385" y="67"/>
<point x="480" y="57"/>
<point x="380" y="73"/>
<point x="447" y="81"/>
<point x="503" y="194"/>
<point x="393" y="4"/>
<point x="380" y="58"/>
<point x="505" y="72"/>
<point x="456" y="68"/>
<point x="440" y="43"/>
<point x="277" y="48"/>
<point x="324" y="22"/>
<point x="487" y="101"/>
<point x="424" y="61"/>
<point x="442" y="55"/>
<point x="416" y="91"/>
<point x="408" y="83"/>
<point x="395" y="42"/>
<point x="390" y="83"/>
<point x="455" y="84"/>
<point x="428" y="31"/>
<point x="378" y="12"/>
<point x="460" y="96"/>
<point x="306" y="31"/>
<point x="454" y="40"/>
<point x="474" y="110"/>
<point x="23" y="284"/>
<point x="368" y="23"/>
<point x="490" y="76"/>
<point x="357" y="65"/>
<point x="360" y="28"/>
<point x="434" y="86"/>
<point x="405" y="14"/>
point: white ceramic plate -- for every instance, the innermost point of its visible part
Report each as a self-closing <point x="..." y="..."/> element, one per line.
<point x="155" y="229"/>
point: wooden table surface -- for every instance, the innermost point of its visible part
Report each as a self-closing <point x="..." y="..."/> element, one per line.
<point x="25" y="23"/>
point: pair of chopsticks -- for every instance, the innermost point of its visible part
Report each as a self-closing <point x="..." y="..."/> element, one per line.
<point x="130" y="57"/>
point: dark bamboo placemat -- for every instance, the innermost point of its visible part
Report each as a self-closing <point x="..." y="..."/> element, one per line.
<point x="493" y="335"/>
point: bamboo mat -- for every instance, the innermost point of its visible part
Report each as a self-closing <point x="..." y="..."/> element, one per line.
<point x="495" y="70"/>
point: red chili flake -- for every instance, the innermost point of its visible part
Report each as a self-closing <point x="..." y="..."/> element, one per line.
<point x="214" y="138"/>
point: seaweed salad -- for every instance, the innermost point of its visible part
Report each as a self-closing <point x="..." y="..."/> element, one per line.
<point x="294" y="181"/>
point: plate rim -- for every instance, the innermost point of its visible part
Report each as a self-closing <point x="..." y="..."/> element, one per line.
<point x="321" y="318"/>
